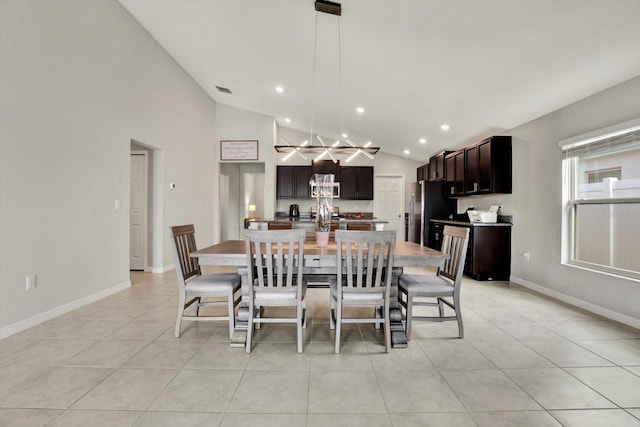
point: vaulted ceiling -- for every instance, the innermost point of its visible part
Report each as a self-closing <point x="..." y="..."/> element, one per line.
<point x="482" y="67"/>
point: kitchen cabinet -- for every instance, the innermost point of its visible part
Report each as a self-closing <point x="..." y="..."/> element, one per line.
<point x="488" y="166"/>
<point x="292" y="182"/>
<point x="454" y="174"/>
<point x="356" y="183"/>
<point x="422" y="173"/>
<point x="327" y="167"/>
<point x="488" y="252"/>
<point x="437" y="166"/>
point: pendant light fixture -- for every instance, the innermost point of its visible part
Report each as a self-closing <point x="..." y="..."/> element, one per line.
<point x="326" y="149"/>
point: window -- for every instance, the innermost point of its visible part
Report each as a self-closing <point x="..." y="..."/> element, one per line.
<point x="601" y="182"/>
<point x="599" y="175"/>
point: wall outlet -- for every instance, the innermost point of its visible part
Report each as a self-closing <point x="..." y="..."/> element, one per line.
<point x="31" y="282"/>
<point x="527" y="256"/>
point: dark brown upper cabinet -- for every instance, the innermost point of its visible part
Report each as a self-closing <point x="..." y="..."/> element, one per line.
<point x="327" y="167"/>
<point x="437" y="166"/>
<point x="292" y="182"/>
<point x="454" y="174"/>
<point x="488" y="166"/>
<point x="356" y="183"/>
<point x="422" y="173"/>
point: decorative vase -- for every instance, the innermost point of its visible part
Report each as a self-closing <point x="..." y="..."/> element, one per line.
<point x="322" y="238"/>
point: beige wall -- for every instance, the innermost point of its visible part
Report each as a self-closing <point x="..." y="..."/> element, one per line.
<point x="79" y="81"/>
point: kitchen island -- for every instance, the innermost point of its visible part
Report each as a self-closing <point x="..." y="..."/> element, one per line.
<point x="308" y="223"/>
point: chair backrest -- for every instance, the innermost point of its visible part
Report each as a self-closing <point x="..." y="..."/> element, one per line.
<point x="184" y="243"/>
<point x="368" y="259"/>
<point x="275" y="258"/>
<point x="279" y="225"/>
<point x="358" y="227"/>
<point x="454" y="243"/>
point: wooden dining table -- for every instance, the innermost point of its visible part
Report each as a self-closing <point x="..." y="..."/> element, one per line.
<point x="321" y="263"/>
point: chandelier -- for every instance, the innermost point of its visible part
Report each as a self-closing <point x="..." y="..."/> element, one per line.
<point x="340" y="146"/>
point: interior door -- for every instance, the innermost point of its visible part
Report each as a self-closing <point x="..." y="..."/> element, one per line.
<point x="138" y="212"/>
<point x="388" y="202"/>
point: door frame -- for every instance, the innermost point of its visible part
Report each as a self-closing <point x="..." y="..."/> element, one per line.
<point x="400" y="176"/>
<point x="145" y="214"/>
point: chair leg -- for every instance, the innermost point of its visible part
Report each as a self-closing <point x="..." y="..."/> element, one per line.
<point x="440" y="307"/>
<point x="249" y="328"/>
<point x="332" y="312"/>
<point x="377" y="315"/>
<point x="180" y="313"/>
<point x="459" y="317"/>
<point x="196" y="305"/>
<point x="299" y="321"/>
<point x="409" y="315"/>
<point x="387" y="329"/>
<point x="232" y="315"/>
<point x="338" y="325"/>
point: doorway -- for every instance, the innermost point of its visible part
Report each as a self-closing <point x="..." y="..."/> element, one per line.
<point x="388" y="202"/>
<point x="241" y="187"/>
<point x="138" y="210"/>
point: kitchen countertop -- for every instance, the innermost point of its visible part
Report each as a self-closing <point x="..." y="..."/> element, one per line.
<point x="472" y="224"/>
<point x="311" y="220"/>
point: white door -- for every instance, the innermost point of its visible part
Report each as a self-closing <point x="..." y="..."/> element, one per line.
<point x="388" y="202"/>
<point x="138" y="213"/>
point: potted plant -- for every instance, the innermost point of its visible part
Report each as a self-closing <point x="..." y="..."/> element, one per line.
<point x="322" y="230"/>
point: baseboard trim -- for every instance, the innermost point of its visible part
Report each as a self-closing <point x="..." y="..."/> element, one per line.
<point x="162" y="269"/>
<point x="593" y="308"/>
<point x="55" y="312"/>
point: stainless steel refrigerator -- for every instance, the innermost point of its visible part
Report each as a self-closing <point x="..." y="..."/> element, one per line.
<point x="427" y="202"/>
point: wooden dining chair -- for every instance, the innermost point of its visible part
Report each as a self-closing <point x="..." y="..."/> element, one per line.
<point x="363" y="279"/>
<point x="358" y="227"/>
<point x="274" y="271"/>
<point x="444" y="286"/>
<point x="194" y="286"/>
<point x="279" y="225"/>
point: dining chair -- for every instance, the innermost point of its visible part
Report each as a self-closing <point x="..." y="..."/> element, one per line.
<point x="444" y="286"/>
<point x="279" y="225"/>
<point x="194" y="286"/>
<point x="364" y="263"/>
<point x="358" y="227"/>
<point x="274" y="272"/>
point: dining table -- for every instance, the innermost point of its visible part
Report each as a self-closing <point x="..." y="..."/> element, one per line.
<point x="321" y="263"/>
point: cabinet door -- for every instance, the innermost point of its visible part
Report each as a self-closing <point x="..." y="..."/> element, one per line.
<point x="459" y="173"/>
<point x="348" y="182"/>
<point x="433" y="168"/>
<point x="439" y="167"/>
<point x="471" y="170"/>
<point x="450" y="178"/>
<point x="302" y="189"/>
<point x="365" y="183"/>
<point x="484" y="166"/>
<point x="285" y="182"/>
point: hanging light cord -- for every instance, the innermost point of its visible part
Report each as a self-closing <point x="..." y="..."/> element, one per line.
<point x="313" y="81"/>
<point x="340" y="79"/>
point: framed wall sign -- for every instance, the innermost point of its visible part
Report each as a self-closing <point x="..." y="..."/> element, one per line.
<point x="239" y="150"/>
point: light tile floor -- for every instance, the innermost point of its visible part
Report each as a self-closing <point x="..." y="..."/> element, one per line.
<point x="526" y="360"/>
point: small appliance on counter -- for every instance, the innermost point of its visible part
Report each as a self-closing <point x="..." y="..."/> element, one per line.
<point x="484" y="217"/>
<point x="294" y="211"/>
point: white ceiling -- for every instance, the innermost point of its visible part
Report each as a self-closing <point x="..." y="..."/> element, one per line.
<point x="481" y="66"/>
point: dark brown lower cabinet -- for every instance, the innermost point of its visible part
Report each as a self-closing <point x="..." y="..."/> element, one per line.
<point x="488" y="253"/>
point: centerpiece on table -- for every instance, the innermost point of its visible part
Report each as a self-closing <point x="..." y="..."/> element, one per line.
<point x="322" y="186"/>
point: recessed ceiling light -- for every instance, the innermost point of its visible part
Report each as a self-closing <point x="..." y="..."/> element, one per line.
<point x="288" y="120"/>
<point x="279" y="89"/>
<point x="422" y="141"/>
<point x="445" y="126"/>
<point x="407" y="152"/>
<point x="360" y="110"/>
